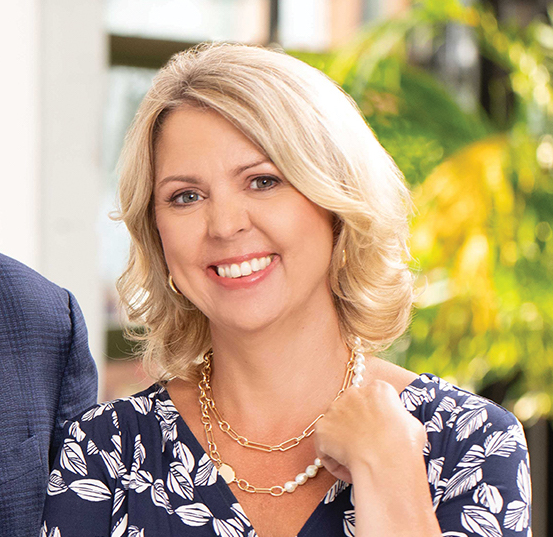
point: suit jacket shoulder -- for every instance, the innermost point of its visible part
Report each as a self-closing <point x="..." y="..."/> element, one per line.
<point x="47" y="375"/>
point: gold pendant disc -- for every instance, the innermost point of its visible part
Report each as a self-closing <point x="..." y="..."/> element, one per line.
<point x="227" y="472"/>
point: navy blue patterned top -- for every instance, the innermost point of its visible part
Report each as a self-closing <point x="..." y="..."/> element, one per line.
<point x="132" y="467"/>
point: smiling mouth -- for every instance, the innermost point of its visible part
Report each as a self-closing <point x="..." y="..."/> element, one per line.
<point x="245" y="268"/>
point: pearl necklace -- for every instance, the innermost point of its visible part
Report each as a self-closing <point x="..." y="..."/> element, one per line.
<point x="354" y="377"/>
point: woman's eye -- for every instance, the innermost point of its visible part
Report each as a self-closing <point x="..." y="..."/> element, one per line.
<point x="264" y="183"/>
<point x="185" y="198"/>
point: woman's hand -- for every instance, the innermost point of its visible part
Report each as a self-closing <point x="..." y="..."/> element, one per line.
<point x="369" y="426"/>
<point x="368" y="438"/>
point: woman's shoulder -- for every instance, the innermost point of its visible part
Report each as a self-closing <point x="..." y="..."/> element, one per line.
<point x="461" y="425"/>
<point x="428" y="395"/>
<point x="135" y="414"/>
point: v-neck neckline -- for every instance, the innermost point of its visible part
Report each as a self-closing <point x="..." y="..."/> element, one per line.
<point x="185" y="434"/>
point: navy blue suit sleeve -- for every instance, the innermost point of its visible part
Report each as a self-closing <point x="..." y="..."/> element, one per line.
<point x="79" y="385"/>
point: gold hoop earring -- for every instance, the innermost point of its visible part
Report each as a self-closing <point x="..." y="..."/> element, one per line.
<point x="344" y="258"/>
<point x="172" y="285"/>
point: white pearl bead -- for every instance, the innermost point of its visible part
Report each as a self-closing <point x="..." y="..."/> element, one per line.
<point x="311" y="470"/>
<point x="290" y="486"/>
<point x="359" y="369"/>
<point x="359" y="359"/>
<point x="357" y="380"/>
<point x="301" y="478"/>
<point x="318" y="462"/>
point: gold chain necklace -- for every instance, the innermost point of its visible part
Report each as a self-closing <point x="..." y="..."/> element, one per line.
<point x="354" y="376"/>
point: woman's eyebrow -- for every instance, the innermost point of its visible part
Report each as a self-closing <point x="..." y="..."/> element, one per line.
<point x="179" y="178"/>
<point x="195" y="181"/>
<point x="241" y="169"/>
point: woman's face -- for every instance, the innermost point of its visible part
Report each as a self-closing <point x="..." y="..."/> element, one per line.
<point x="240" y="241"/>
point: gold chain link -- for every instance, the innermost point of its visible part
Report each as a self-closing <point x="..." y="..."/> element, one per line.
<point x="206" y="394"/>
<point x="207" y="403"/>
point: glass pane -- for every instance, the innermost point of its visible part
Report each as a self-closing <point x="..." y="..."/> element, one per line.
<point x="190" y="20"/>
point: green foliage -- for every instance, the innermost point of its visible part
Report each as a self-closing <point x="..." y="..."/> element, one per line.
<point x="482" y="238"/>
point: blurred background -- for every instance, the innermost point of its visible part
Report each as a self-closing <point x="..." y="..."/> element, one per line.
<point x="458" y="91"/>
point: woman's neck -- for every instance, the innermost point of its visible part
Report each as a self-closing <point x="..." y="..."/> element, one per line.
<point x="278" y="379"/>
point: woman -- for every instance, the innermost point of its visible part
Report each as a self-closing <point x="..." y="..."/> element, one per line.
<point x="268" y="264"/>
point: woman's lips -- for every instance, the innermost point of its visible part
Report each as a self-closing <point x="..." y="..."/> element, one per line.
<point x="244" y="271"/>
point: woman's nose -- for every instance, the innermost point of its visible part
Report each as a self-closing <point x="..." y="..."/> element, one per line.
<point x="227" y="217"/>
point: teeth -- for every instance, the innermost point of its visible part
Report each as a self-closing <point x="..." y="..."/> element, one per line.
<point x="245" y="268"/>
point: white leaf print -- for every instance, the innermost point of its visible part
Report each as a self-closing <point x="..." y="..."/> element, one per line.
<point x="91" y="490"/>
<point x="44" y="530"/>
<point x="141" y="481"/>
<point x="472" y="402"/>
<point x="500" y="443"/>
<point x="480" y="521"/>
<point x="469" y="422"/>
<point x="159" y="496"/>
<point x="181" y="452"/>
<point x="517" y="433"/>
<point x="475" y="456"/>
<point x="116" y="441"/>
<point x="141" y="404"/>
<point x="435" y="425"/>
<point x="55" y="532"/>
<point x="523" y="482"/>
<point x="349" y="523"/>
<point x="139" y="454"/>
<point x="237" y="508"/>
<point x="489" y="496"/>
<point x="135" y="532"/>
<point x="120" y="527"/>
<point x="435" y="467"/>
<point x="113" y="463"/>
<point x="447" y="404"/>
<point x="228" y="528"/>
<point x="179" y="481"/>
<point x="115" y="419"/>
<point x="427" y="447"/>
<point x="196" y="514"/>
<point x="517" y="516"/>
<point x="72" y="457"/>
<point x="444" y="385"/>
<point x="437" y="498"/>
<point x="252" y="533"/>
<point x="207" y="473"/>
<point x="414" y="397"/>
<point x="453" y="416"/>
<point x="167" y="415"/>
<point x="338" y="487"/>
<point x="92" y="448"/>
<point x="76" y="432"/>
<point x="97" y="411"/>
<point x="461" y="481"/>
<point x="118" y="498"/>
<point x="56" y="484"/>
<point x="126" y="481"/>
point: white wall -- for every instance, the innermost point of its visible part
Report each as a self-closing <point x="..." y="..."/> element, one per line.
<point x="53" y="72"/>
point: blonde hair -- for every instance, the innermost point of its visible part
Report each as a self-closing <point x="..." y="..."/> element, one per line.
<point x="314" y="133"/>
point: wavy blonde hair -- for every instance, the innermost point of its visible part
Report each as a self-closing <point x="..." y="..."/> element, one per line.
<point x="315" y="135"/>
